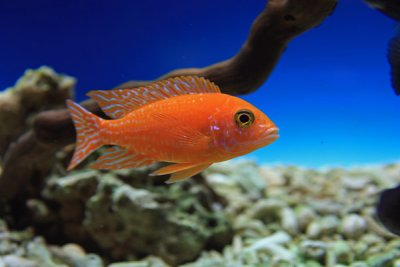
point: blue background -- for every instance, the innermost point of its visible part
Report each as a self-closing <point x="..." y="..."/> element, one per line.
<point x="330" y="94"/>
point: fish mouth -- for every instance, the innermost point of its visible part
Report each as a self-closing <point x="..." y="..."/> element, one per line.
<point x="272" y="133"/>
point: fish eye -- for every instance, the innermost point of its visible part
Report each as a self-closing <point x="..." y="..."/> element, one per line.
<point x="244" y="118"/>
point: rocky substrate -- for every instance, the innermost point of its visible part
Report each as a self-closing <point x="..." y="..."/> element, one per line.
<point x="240" y="214"/>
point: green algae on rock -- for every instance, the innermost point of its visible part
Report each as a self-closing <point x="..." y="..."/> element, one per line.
<point x="35" y="91"/>
<point x="171" y="222"/>
<point x="22" y="156"/>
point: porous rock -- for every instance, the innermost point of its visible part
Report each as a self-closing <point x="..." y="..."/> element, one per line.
<point x="125" y="221"/>
<point x="37" y="90"/>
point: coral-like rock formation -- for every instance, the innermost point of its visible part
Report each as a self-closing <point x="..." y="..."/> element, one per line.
<point x="37" y="90"/>
<point x="175" y="223"/>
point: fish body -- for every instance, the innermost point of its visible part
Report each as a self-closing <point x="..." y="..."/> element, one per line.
<point x="185" y="120"/>
<point x="391" y="8"/>
<point x="388" y="208"/>
<point x="394" y="61"/>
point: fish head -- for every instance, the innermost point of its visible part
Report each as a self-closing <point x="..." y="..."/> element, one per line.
<point x="239" y="128"/>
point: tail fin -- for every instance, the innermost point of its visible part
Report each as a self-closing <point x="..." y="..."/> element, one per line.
<point x="87" y="132"/>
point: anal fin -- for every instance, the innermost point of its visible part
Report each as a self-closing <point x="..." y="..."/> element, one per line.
<point x="119" y="158"/>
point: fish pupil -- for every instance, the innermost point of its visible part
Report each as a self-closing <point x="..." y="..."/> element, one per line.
<point x="244" y="118"/>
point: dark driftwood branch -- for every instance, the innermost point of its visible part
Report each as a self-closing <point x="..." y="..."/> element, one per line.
<point x="281" y="21"/>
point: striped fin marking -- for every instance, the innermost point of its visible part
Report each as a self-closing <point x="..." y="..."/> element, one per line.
<point x="117" y="157"/>
<point x="87" y="126"/>
<point x="118" y="103"/>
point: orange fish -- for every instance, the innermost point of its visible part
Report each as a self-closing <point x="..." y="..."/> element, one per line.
<point x="186" y="121"/>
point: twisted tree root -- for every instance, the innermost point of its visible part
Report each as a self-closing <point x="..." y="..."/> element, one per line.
<point x="279" y="22"/>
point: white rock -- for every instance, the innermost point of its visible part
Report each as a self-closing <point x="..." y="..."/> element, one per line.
<point x="354" y="225"/>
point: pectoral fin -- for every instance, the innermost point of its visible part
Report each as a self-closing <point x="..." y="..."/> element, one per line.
<point x="182" y="135"/>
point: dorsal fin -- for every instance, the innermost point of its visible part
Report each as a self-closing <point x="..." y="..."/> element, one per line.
<point x="117" y="103"/>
